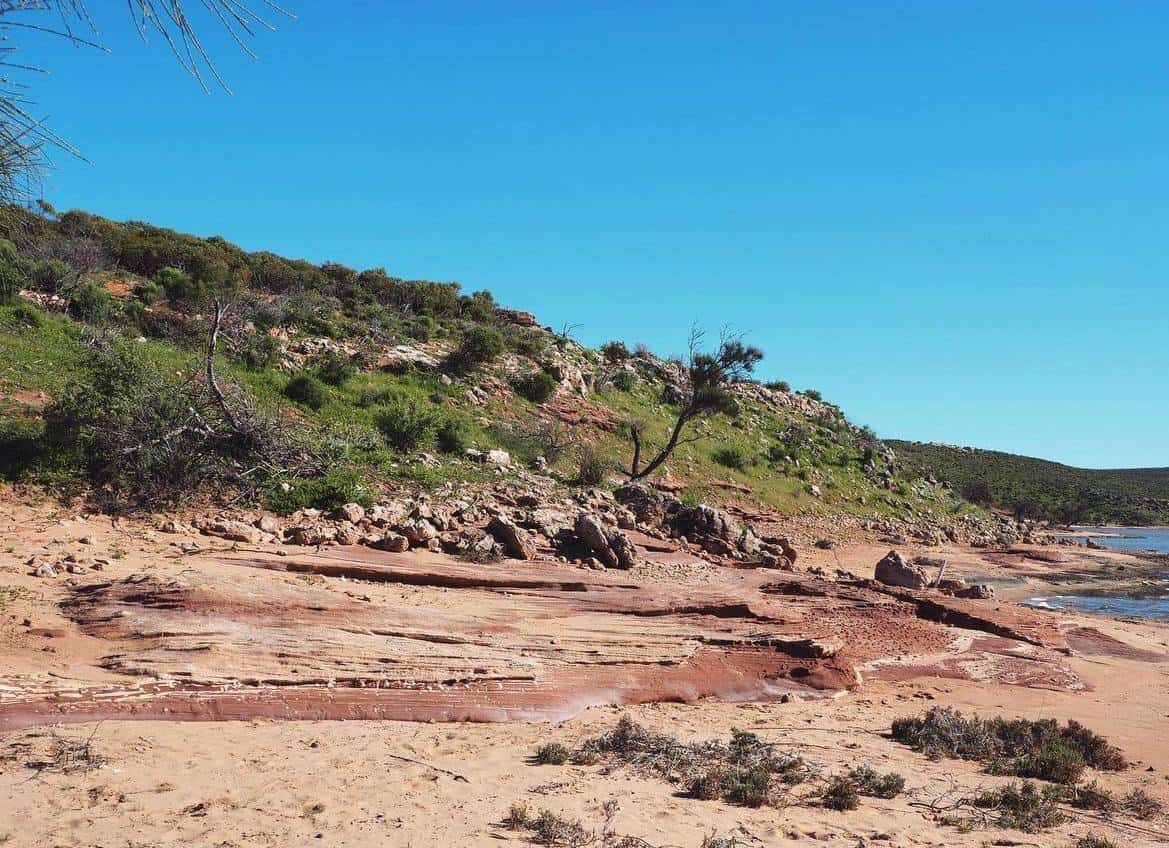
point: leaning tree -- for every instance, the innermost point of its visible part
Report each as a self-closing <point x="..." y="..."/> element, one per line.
<point x="706" y="391"/>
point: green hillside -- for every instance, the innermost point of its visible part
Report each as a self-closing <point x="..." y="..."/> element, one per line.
<point x="330" y="384"/>
<point x="1037" y="488"/>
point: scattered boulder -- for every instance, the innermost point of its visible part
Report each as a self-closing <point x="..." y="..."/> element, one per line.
<point x="233" y="531"/>
<point x="981" y="592"/>
<point x="612" y="548"/>
<point x="45" y="570"/>
<point x="351" y="512"/>
<point x="893" y="570"/>
<point x="516" y="542"/>
<point x="393" y="542"/>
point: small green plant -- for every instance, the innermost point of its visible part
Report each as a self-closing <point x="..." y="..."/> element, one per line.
<point x="552" y="754"/>
<point x="307" y="390"/>
<point x="536" y="386"/>
<point x="1093" y="796"/>
<point x="518" y="817"/>
<point x="779" y="386"/>
<point x="615" y="352"/>
<point x="812" y="394"/>
<point x="406" y="424"/>
<point x="1057" y="762"/>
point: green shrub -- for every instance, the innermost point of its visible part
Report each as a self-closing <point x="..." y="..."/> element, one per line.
<point x="334" y="367"/>
<point x="527" y="342"/>
<point x="552" y="754"/>
<point x="840" y="794"/>
<point x="148" y="292"/>
<point x="334" y="489"/>
<point x="407" y="424"/>
<point x="91" y="303"/>
<point x="307" y="390"/>
<point x="452" y="436"/>
<point x="1020" y="747"/>
<point x="624" y="380"/>
<point x="145" y="437"/>
<point x="48" y="274"/>
<point x="1142" y="805"/>
<point x="536" y="386"/>
<point x="779" y="386"/>
<point x="1057" y="762"/>
<point x="812" y="394"/>
<point x="22" y="443"/>
<point x="749" y="787"/>
<point x="12" y="273"/>
<point x="869" y="781"/>
<point x="732" y="456"/>
<point x="480" y="345"/>
<point x="180" y="287"/>
<point x="258" y="352"/>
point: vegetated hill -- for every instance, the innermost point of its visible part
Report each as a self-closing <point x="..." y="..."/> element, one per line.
<point x="1037" y="488"/>
<point x="330" y="384"/>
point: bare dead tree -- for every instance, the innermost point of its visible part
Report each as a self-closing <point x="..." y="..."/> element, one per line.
<point x="706" y="392"/>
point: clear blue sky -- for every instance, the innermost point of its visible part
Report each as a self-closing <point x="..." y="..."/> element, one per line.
<point x="949" y="217"/>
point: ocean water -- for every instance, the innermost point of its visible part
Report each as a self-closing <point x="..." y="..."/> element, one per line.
<point x="1154" y="539"/>
<point x="1153" y="603"/>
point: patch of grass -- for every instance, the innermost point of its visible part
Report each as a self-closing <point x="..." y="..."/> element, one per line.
<point x="407" y="424"/>
<point x="334" y="489"/>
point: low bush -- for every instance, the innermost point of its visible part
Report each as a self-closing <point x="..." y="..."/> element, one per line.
<point x="536" y="386"/>
<point x="1093" y="841"/>
<point x="624" y="380"/>
<point x="732" y="456"/>
<point x="258" y="352"/>
<point x="452" y="436"/>
<point x="91" y="303"/>
<point x="334" y="367"/>
<point x="480" y="345"/>
<point x="870" y="782"/>
<point x="407" y="424"/>
<point x="615" y="352"/>
<point x="1093" y="797"/>
<point x="148" y="291"/>
<point x="1023" y="807"/>
<point x="779" y="386"/>
<point x="552" y="754"/>
<point x="1142" y="805"/>
<point x="1042" y="749"/>
<point x="840" y="794"/>
<point x="306" y="389"/>
<point x="144" y="437"/>
<point x="812" y="394"/>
